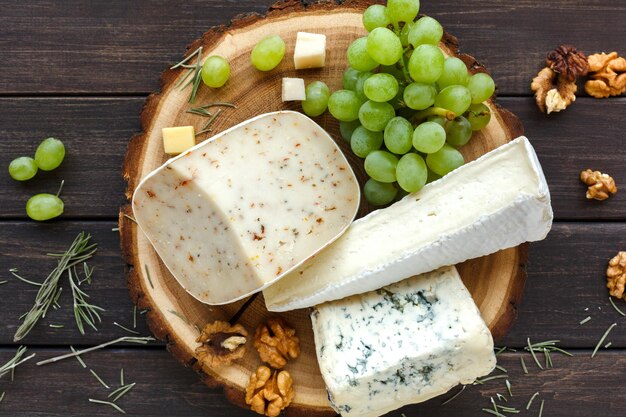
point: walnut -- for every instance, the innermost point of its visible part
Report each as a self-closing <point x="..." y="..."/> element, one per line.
<point x="276" y="342"/>
<point x="607" y="75"/>
<point x="601" y="186"/>
<point x="221" y="343"/>
<point x="552" y="93"/>
<point x="269" y="392"/>
<point x="616" y="275"/>
<point x="568" y="63"/>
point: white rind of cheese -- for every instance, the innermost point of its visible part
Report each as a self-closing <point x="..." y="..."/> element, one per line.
<point x="293" y="89"/>
<point x="496" y="202"/>
<point x="402" y="344"/>
<point x="310" y="51"/>
<point x="235" y="213"/>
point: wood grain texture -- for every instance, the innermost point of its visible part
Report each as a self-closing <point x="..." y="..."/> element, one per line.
<point x="574" y="388"/>
<point x="497" y="294"/>
<point x="129" y="42"/>
<point x="565" y="276"/>
<point x="96" y="131"/>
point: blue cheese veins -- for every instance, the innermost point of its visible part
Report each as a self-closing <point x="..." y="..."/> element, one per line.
<point x="239" y="211"/>
<point x="402" y="344"/>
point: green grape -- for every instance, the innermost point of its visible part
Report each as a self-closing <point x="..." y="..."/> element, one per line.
<point x="411" y="172"/>
<point x="481" y="87"/>
<point x="268" y="53"/>
<point x="379" y="193"/>
<point x="458" y="131"/>
<point x="364" y="141"/>
<point x="384" y="46"/>
<point x="381" y="87"/>
<point x="317" y="94"/>
<point x="429" y="137"/>
<point x="404" y="34"/>
<point x="432" y="177"/>
<point x="42" y="207"/>
<point x="426" y="64"/>
<point x="215" y="71"/>
<point x="360" y="85"/>
<point x="402" y="10"/>
<point x="375" y="116"/>
<point x="479" y="116"/>
<point x="344" y="105"/>
<point x="374" y="17"/>
<point x="455" y="98"/>
<point x="350" y="75"/>
<point x="381" y="165"/>
<point x="440" y="120"/>
<point x="419" y="96"/>
<point x="358" y="57"/>
<point x="454" y="73"/>
<point x="425" y="31"/>
<point x="399" y="135"/>
<point x="347" y="129"/>
<point x="445" y="160"/>
<point x="49" y="154"/>
<point x="22" y="168"/>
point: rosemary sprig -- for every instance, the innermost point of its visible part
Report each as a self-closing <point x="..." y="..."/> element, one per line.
<point x="117" y="407"/>
<point x="129" y="339"/>
<point x="15" y="361"/>
<point x="79" y="252"/>
<point x="603" y="338"/>
<point x="84" y="313"/>
<point x="193" y="75"/>
<point x="207" y="127"/>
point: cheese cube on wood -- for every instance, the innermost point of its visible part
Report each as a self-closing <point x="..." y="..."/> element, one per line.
<point x="293" y="89"/>
<point x="403" y="344"/>
<point x="239" y="211"/>
<point x="496" y="202"/>
<point x="310" y="50"/>
<point x="177" y="140"/>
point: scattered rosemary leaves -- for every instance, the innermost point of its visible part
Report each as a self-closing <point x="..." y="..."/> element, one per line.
<point x="480" y="381"/>
<point x="99" y="379"/>
<point x="129" y="339"/>
<point x="508" y="387"/>
<point x="585" y="320"/>
<point x="541" y="409"/>
<point x="125" y="328"/>
<point x="601" y="341"/>
<point x="531" y="400"/>
<point x="15" y="361"/>
<point x="547" y="347"/>
<point x="193" y="75"/>
<point x="78" y="253"/>
<point x="524" y="368"/>
<point x="121" y="391"/>
<point x="3" y="282"/>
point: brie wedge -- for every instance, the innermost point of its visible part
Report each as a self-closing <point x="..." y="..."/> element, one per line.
<point x="239" y="211"/>
<point x="496" y="202"/>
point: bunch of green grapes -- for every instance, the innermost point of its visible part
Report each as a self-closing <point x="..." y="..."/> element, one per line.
<point x="405" y="107"/>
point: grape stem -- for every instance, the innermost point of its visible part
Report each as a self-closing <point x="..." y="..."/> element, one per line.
<point x="433" y="111"/>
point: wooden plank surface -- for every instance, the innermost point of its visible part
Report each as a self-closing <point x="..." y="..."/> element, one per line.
<point x="573" y="388"/>
<point x="96" y="132"/>
<point x="565" y="277"/>
<point x="129" y="43"/>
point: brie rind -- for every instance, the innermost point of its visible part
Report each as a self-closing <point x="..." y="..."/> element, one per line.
<point x="496" y="202"/>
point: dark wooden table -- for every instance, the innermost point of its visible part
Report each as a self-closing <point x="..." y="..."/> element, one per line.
<point x="80" y="70"/>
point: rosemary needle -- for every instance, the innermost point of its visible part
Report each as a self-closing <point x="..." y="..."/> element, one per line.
<point x="122" y="376"/>
<point x="80" y="360"/>
<point x="120" y="392"/>
<point x="531" y="400"/>
<point x="134" y="318"/>
<point x="455" y="395"/>
<point x="125" y="328"/>
<point x="532" y="352"/>
<point x="2" y="396"/>
<point x="130" y="339"/>
<point x="148" y="275"/>
<point x="508" y="388"/>
<point x="501" y="368"/>
<point x="180" y="316"/>
<point x="524" y="368"/>
<point x="586" y="319"/>
<point x="541" y="408"/>
<point x="15" y="361"/>
<point x="3" y="282"/>
<point x="99" y="379"/>
<point x="602" y="339"/>
<point x="495" y="413"/>
<point x="117" y="407"/>
<point x="14" y="272"/>
<point x="616" y="307"/>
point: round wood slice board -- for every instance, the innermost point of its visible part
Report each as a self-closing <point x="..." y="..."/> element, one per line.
<point x="496" y="281"/>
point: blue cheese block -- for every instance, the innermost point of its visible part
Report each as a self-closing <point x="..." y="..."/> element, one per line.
<point x="402" y="344"/>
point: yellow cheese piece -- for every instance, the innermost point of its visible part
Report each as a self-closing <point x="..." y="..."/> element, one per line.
<point x="177" y="140"/>
<point x="310" y="50"/>
<point x="293" y="89"/>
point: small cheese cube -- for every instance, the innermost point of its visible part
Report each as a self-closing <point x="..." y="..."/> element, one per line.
<point x="293" y="89"/>
<point x="310" y="50"/>
<point x="178" y="139"/>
